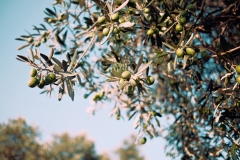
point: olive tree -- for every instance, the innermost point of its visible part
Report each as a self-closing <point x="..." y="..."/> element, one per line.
<point x="149" y="58"/>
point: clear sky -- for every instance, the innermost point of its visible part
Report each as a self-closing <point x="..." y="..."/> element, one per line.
<point x="52" y="116"/>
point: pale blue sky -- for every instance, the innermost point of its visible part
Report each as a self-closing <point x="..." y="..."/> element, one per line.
<point x="52" y="116"/>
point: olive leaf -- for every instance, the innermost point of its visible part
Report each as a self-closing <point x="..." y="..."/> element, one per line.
<point x="23" y="46"/>
<point x="109" y="33"/>
<point x="139" y="63"/>
<point x="144" y="67"/>
<point x="121" y="6"/>
<point x="126" y="24"/>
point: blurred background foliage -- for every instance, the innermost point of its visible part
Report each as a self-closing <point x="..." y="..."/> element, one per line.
<point x="21" y="141"/>
<point x="175" y="58"/>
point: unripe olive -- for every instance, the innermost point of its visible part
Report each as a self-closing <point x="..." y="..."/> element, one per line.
<point x="37" y="43"/>
<point x="85" y="96"/>
<point x="146" y="10"/>
<point x="118" y="116"/>
<point x="121" y="20"/>
<point x="129" y="89"/>
<point x="62" y="15"/>
<point x="50" y="78"/>
<point x="238" y="79"/>
<point x="32" y="82"/>
<point x="121" y="81"/>
<point x="179" y="52"/>
<point x="41" y="83"/>
<point x="33" y="72"/>
<point x="154" y="113"/>
<point x="222" y="127"/>
<point x="118" y="2"/>
<point x="105" y="31"/>
<point x="101" y="19"/>
<point x="150" y="32"/>
<point x="116" y="30"/>
<point x="44" y="34"/>
<point x="60" y="18"/>
<point x="238" y="69"/>
<point x="30" y="40"/>
<point x="204" y="54"/>
<point x="182" y="20"/>
<point x="115" y="17"/>
<point x="191" y="7"/>
<point x="190" y="51"/>
<point x="133" y="82"/>
<point x="43" y="40"/>
<point x="101" y="95"/>
<point x="50" y="20"/>
<point x="143" y="140"/>
<point x="126" y="75"/>
<point x="184" y="13"/>
<point x="130" y="11"/>
<point x="179" y="27"/>
<point x="144" y="126"/>
<point x="150" y="80"/>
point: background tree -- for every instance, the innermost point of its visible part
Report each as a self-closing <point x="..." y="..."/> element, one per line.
<point x="75" y="148"/>
<point x="18" y="140"/>
<point x="129" y="150"/>
<point x="190" y="49"/>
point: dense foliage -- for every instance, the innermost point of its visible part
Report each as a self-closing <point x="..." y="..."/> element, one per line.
<point x="19" y="140"/>
<point x="150" y="58"/>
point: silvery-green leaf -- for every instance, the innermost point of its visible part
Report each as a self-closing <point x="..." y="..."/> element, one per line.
<point x="121" y="6"/>
<point x="73" y="59"/>
<point x="112" y="79"/>
<point x="233" y="152"/>
<point x="117" y="73"/>
<point x="110" y="32"/>
<point x="126" y="24"/>
<point x="185" y="58"/>
<point x="23" y="46"/>
<point x="157" y="121"/>
<point x="139" y="63"/>
<point x="57" y="62"/>
<point x="145" y="66"/>
<point x="50" y="54"/>
<point x="123" y="85"/>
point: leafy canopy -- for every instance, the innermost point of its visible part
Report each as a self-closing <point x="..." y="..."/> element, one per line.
<point x="149" y="58"/>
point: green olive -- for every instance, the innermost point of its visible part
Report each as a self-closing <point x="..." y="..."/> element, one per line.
<point x="143" y="140"/>
<point x="179" y="52"/>
<point x="190" y="51"/>
<point x="126" y="74"/>
<point x="121" y="20"/>
<point x="238" y="69"/>
<point x="41" y="83"/>
<point x="50" y="78"/>
<point x="150" y="80"/>
<point x="179" y="27"/>
<point x="182" y="20"/>
<point x="115" y="17"/>
<point x="105" y="31"/>
<point x="33" y="72"/>
<point x="150" y="32"/>
<point x="101" y="19"/>
<point x="147" y="10"/>
<point x="32" y="82"/>
<point x="238" y="79"/>
<point x="30" y="40"/>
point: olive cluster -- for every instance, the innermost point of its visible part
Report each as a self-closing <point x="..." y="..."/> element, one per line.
<point x="132" y="83"/>
<point x="189" y="51"/>
<point x="40" y="82"/>
<point x="238" y="72"/>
